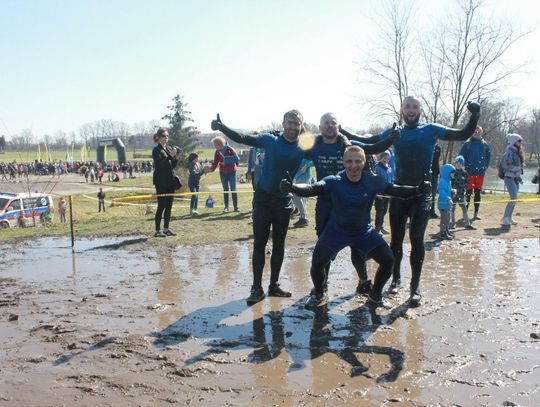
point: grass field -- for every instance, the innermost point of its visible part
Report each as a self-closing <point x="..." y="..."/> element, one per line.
<point x="211" y="226"/>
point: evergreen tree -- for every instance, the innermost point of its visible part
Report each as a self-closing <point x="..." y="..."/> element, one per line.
<point x="181" y="134"/>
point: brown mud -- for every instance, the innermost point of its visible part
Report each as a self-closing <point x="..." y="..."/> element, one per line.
<point x="118" y="323"/>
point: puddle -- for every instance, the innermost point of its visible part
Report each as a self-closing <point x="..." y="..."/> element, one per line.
<point x="171" y="326"/>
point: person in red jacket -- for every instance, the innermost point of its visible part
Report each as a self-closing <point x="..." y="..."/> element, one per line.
<point x="227" y="159"/>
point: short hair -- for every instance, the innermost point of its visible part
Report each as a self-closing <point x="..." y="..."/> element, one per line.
<point x="192" y="156"/>
<point x="326" y="116"/>
<point x="219" y="139"/>
<point x="293" y="114"/>
<point x="355" y="149"/>
<point x="413" y="98"/>
<point x="159" y="132"/>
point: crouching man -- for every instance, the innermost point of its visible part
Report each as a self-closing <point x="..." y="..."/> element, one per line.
<point x="352" y="192"/>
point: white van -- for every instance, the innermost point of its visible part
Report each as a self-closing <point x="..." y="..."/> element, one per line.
<point x="22" y="209"/>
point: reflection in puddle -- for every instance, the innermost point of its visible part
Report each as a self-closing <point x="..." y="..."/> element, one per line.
<point x="468" y="341"/>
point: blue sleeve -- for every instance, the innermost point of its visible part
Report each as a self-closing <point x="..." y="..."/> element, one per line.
<point x="439" y="130"/>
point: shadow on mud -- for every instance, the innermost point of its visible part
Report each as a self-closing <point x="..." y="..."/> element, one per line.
<point x="303" y="334"/>
<point x="97" y="346"/>
<point x="497" y="231"/>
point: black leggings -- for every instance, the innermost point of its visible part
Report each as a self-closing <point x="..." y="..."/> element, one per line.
<point x="417" y="210"/>
<point x="269" y="212"/>
<point x="322" y="257"/>
<point x="477" y="198"/>
<point x="164" y="208"/>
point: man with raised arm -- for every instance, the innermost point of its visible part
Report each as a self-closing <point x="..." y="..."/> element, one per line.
<point x="413" y="155"/>
<point x="271" y="207"/>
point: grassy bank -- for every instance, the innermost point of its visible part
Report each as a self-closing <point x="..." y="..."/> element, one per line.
<point x="212" y="226"/>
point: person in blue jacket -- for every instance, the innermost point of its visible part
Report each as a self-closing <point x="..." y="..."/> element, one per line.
<point x="271" y="207"/>
<point x="414" y="154"/>
<point x="477" y="155"/>
<point x="445" y="202"/>
<point x="351" y="192"/>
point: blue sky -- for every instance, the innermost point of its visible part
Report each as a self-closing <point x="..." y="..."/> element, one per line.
<point x="64" y="63"/>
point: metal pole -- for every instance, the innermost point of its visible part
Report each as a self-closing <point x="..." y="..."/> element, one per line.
<point x="71" y="224"/>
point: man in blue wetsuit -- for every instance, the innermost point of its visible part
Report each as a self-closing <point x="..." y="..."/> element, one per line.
<point x="327" y="157"/>
<point x="271" y="207"/>
<point x="351" y="192"/>
<point x="414" y="153"/>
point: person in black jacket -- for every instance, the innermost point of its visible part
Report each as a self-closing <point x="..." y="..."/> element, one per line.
<point x="165" y="159"/>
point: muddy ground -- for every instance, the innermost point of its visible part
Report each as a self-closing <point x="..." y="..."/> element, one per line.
<point x="126" y="325"/>
<point x="121" y="322"/>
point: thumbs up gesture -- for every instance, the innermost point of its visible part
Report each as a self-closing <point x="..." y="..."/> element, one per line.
<point x="216" y="124"/>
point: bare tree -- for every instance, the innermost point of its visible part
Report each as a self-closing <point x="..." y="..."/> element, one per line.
<point x="60" y="139"/>
<point x="388" y="68"/>
<point x="436" y="78"/>
<point x="472" y="50"/>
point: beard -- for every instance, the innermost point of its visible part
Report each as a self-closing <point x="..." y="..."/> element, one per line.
<point x="291" y="134"/>
<point x="411" y="122"/>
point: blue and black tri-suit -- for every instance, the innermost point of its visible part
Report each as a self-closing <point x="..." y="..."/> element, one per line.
<point x="328" y="160"/>
<point x="271" y="208"/>
<point x="414" y="154"/>
<point x="350" y="223"/>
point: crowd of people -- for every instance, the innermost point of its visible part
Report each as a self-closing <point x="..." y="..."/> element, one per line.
<point x="91" y="170"/>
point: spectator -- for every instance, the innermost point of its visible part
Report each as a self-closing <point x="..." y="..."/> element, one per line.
<point x="477" y="155"/>
<point x="62" y="207"/>
<point x="512" y="165"/>
<point x="226" y="158"/>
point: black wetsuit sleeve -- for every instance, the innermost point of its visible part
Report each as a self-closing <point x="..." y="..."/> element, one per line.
<point x="306" y="190"/>
<point x="366" y="140"/>
<point x="378" y="147"/>
<point x="465" y="132"/>
<point x="239" y="138"/>
<point x="401" y="191"/>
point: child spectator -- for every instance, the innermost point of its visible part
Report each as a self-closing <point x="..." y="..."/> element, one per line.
<point x="101" y="200"/>
<point x="196" y="171"/>
<point x="384" y="170"/>
<point x="62" y="206"/>
<point x="100" y="175"/>
<point x="459" y="184"/>
<point x="209" y="202"/>
<point x="444" y="202"/>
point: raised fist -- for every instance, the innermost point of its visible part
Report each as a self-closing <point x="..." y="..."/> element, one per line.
<point x="473" y="107"/>
<point x="216" y="124"/>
